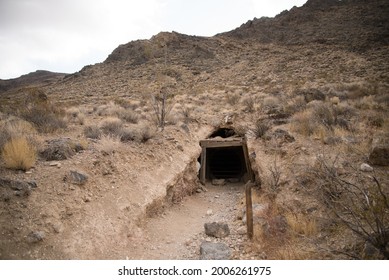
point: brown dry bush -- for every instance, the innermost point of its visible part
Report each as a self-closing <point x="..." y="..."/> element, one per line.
<point x="356" y="200"/>
<point x="249" y="103"/>
<point x="127" y="135"/>
<point x="111" y="126"/>
<point x="109" y="144"/>
<point x="92" y="131"/>
<point x="75" y="115"/>
<point x="321" y="117"/>
<point x="145" y="134"/>
<point x="302" y="123"/>
<point x="19" y="154"/>
<point x="260" y="128"/>
<point x="13" y="127"/>
<point x="128" y="115"/>
<point x="45" y="115"/>
<point x="187" y="112"/>
<point x="295" y="105"/>
<point x="233" y="99"/>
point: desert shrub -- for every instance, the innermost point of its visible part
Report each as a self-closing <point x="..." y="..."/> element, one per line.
<point x="303" y="123"/>
<point x="45" y="115"/>
<point x="310" y="94"/>
<point x="92" y="131"/>
<point x="249" y="103"/>
<point x="75" y="115"/>
<point x="109" y="109"/>
<point x="111" y="125"/>
<point x="335" y="100"/>
<point x="145" y="134"/>
<point x="274" y="181"/>
<point x="15" y="128"/>
<point x="233" y="99"/>
<point x="46" y="119"/>
<point x="300" y="224"/>
<point x="18" y="154"/>
<point x="345" y="110"/>
<point x="382" y="99"/>
<point x="187" y="113"/>
<point x="109" y="144"/>
<point x="127" y="115"/>
<point x="260" y="128"/>
<point x="356" y="200"/>
<point x="271" y="102"/>
<point x="376" y="120"/>
<point x="162" y="105"/>
<point x="322" y="113"/>
<point x="124" y="103"/>
<point x="360" y="90"/>
<point x="295" y="105"/>
<point x="127" y="135"/>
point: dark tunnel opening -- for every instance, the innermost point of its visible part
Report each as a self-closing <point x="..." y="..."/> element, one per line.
<point x="225" y="163"/>
<point x="223" y="133"/>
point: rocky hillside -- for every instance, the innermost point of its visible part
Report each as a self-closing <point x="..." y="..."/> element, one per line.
<point x="37" y="78"/>
<point x="353" y="24"/>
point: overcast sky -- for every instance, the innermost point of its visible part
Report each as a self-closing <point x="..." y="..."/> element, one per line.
<point x="65" y="35"/>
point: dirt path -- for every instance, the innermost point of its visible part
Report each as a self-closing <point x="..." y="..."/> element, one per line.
<point x="178" y="233"/>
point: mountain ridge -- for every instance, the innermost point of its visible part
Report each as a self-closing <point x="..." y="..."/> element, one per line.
<point x="353" y="25"/>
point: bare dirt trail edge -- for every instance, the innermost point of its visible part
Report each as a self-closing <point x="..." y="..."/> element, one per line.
<point x="179" y="231"/>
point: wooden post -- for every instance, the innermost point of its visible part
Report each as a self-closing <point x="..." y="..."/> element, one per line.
<point x="203" y="165"/>
<point x="249" y="210"/>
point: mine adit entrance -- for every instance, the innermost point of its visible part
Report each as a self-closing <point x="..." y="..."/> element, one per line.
<point x="224" y="155"/>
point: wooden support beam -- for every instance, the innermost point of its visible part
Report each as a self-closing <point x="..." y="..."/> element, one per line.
<point x="203" y="165"/>
<point x="249" y="210"/>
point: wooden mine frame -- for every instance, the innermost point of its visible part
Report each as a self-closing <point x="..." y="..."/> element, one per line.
<point x="220" y="143"/>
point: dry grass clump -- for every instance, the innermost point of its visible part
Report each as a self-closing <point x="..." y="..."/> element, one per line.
<point x="233" y="98"/>
<point x="75" y="115"/>
<point x="376" y="120"/>
<point x="19" y="154"/>
<point x="92" y="132"/>
<point x="300" y="224"/>
<point x="127" y="135"/>
<point x="13" y="128"/>
<point x="111" y="125"/>
<point x="127" y="115"/>
<point x="109" y="144"/>
<point x="145" y="134"/>
<point x="302" y="123"/>
<point x="113" y="109"/>
<point x="271" y="102"/>
<point x="322" y="118"/>
<point x="187" y="113"/>
<point x="249" y="103"/>
<point x="260" y="128"/>
<point x="45" y="115"/>
<point x="295" y="105"/>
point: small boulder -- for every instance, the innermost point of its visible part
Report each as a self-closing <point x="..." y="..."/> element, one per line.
<point x="218" y="182"/>
<point x="35" y="236"/>
<point x="58" y="149"/>
<point x="214" y="251"/>
<point x="366" y="168"/>
<point x="216" y="229"/>
<point x="379" y="154"/>
<point x="76" y="177"/>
